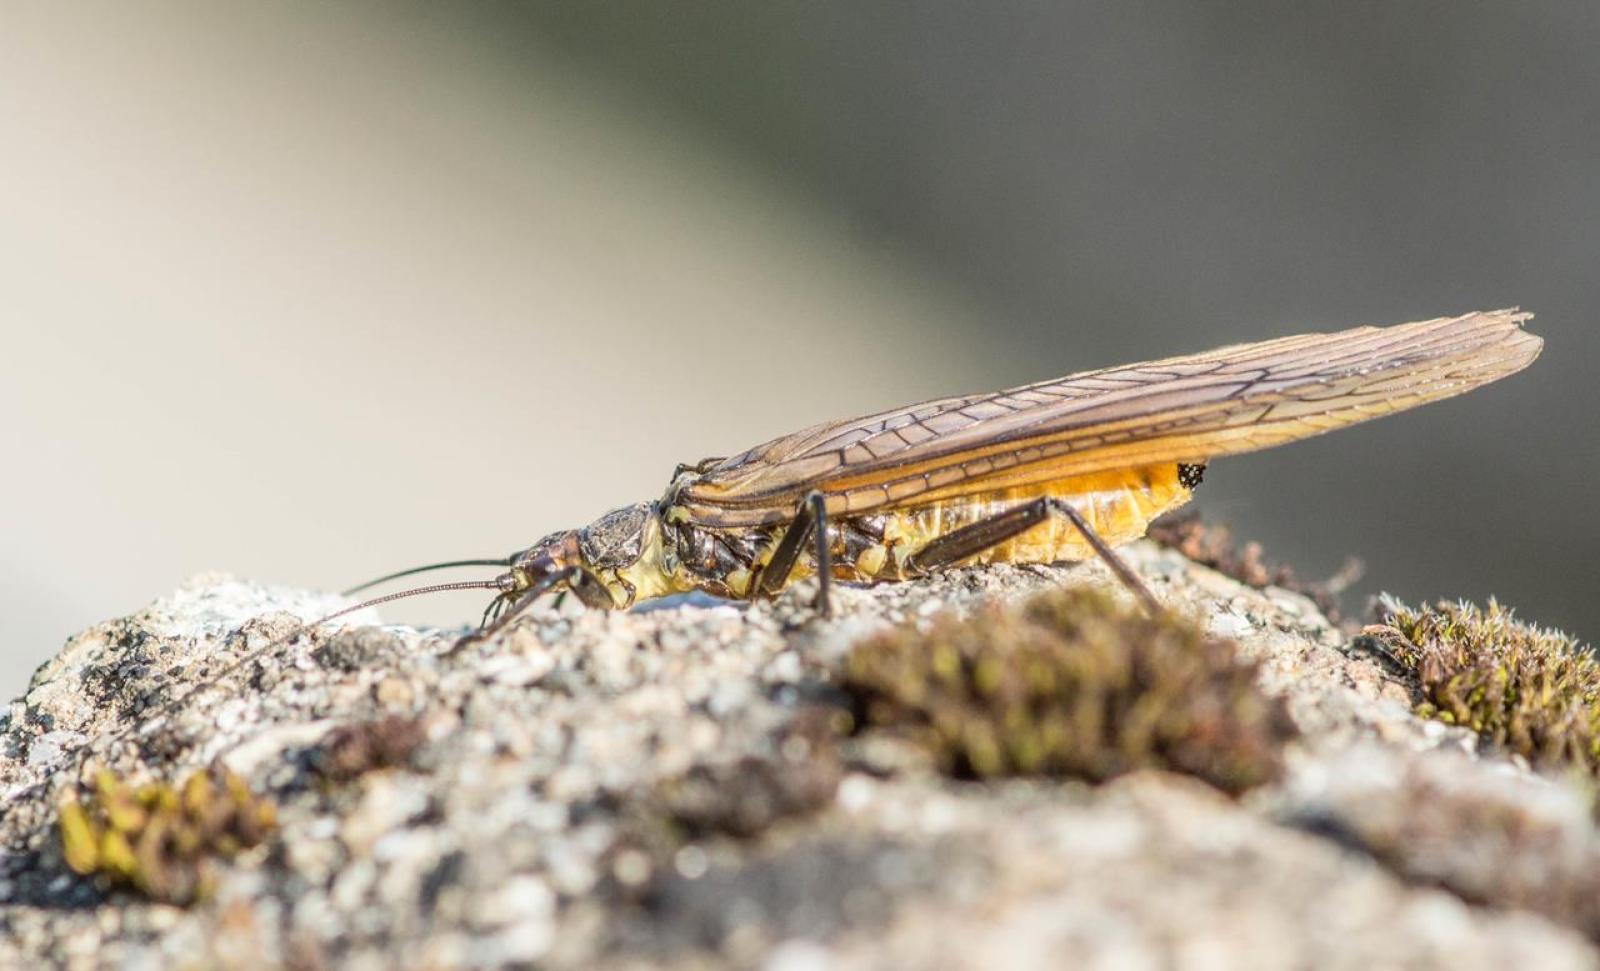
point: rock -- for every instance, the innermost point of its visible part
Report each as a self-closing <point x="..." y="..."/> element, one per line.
<point x="667" y="787"/>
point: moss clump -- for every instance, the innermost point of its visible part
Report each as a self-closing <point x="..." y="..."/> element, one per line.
<point x="163" y="840"/>
<point x="1527" y="690"/>
<point x="1072" y="683"/>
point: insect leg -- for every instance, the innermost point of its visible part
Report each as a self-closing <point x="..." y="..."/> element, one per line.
<point x="588" y="589"/>
<point x="971" y="540"/>
<point x="586" y="585"/>
<point x="700" y="466"/>
<point x="810" y="520"/>
<point x="492" y="612"/>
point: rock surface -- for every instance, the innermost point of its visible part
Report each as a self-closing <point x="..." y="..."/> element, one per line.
<point x="653" y="789"/>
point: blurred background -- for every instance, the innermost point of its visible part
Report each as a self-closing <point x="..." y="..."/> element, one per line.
<point x="310" y="292"/>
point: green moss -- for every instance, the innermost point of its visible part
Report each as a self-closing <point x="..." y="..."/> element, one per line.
<point x="1071" y="683"/>
<point x="1525" y="689"/>
<point x="159" y="839"/>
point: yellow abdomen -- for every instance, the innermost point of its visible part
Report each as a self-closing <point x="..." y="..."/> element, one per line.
<point x="1118" y="505"/>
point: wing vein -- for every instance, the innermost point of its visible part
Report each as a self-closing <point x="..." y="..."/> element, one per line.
<point x="1181" y="409"/>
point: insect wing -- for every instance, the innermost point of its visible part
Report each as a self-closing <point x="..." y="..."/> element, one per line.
<point x="1183" y="409"/>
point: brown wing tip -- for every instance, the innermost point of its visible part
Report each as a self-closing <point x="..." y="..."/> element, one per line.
<point x="1520" y="347"/>
<point x="1512" y="316"/>
<point x="1492" y="340"/>
<point x="1515" y="316"/>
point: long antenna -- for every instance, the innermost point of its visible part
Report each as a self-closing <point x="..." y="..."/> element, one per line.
<point x="449" y="564"/>
<point x="171" y="706"/>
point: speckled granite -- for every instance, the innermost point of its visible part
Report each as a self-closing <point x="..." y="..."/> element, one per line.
<point x="651" y="789"/>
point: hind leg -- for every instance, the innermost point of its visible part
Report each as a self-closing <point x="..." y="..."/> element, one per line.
<point x="979" y="536"/>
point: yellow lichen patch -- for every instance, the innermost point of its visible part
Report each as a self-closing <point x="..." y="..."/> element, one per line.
<point x="159" y="839"/>
<point x="1527" y="690"/>
<point x="1071" y="683"/>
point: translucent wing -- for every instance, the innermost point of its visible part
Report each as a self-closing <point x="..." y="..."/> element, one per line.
<point x="1181" y="409"/>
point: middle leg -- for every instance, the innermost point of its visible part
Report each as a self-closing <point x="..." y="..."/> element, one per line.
<point x="810" y="522"/>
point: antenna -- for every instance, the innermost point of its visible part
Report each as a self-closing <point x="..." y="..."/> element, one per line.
<point x="449" y="564"/>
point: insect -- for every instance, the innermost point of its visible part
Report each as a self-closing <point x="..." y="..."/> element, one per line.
<point x="1061" y="470"/>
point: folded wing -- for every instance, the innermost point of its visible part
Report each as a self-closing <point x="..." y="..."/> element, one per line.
<point x="1181" y="409"/>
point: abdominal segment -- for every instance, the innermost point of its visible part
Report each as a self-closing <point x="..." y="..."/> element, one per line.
<point x="1117" y="505"/>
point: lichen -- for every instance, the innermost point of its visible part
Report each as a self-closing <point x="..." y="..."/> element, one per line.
<point x="1524" y="689"/>
<point x="1071" y="683"/>
<point x="163" y="840"/>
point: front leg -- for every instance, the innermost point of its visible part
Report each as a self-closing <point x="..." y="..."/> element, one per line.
<point x="810" y="522"/>
<point x="505" y="607"/>
<point x="974" y="539"/>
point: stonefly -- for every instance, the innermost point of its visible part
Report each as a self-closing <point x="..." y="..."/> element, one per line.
<point x="1056" y="471"/>
<point x="1059" y="470"/>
